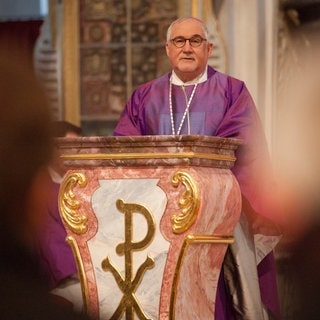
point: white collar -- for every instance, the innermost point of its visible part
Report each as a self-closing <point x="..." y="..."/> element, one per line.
<point x="55" y="176"/>
<point x="177" y="81"/>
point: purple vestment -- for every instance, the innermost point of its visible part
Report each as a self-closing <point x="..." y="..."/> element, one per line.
<point x="55" y="254"/>
<point x="222" y="106"/>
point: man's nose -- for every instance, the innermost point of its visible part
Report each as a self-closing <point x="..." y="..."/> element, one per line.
<point x="187" y="46"/>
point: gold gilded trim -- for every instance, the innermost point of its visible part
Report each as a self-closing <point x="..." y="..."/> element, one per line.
<point x="191" y="239"/>
<point x="69" y="205"/>
<point x="189" y="203"/>
<point x="82" y="274"/>
<point x="127" y="283"/>
<point x="148" y="155"/>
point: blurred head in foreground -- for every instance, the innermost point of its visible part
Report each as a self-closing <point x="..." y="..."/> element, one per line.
<point x="25" y="147"/>
<point x="25" y="152"/>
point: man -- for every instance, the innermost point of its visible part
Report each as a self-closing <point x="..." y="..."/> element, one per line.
<point x="55" y="254"/>
<point x="196" y="99"/>
<point x="25" y="151"/>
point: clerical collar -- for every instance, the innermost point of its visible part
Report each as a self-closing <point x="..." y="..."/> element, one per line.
<point x="177" y="81"/>
<point x="55" y="176"/>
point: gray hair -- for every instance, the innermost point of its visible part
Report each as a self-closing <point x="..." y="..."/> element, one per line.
<point x="203" y="26"/>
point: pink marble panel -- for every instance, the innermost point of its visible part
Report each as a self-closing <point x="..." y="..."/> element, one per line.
<point x="188" y="281"/>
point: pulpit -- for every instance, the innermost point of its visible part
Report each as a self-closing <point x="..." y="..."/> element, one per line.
<point x="149" y="219"/>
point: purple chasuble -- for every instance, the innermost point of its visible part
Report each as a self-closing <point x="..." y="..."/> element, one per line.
<point x="221" y="106"/>
<point x="55" y="254"/>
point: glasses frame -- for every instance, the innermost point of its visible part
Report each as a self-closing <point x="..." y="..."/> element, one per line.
<point x="189" y="39"/>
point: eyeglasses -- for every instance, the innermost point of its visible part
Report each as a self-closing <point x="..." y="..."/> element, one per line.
<point x="194" y="41"/>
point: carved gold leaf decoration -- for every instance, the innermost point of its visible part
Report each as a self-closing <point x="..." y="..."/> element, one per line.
<point x="68" y="204"/>
<point x="189" y="203"/>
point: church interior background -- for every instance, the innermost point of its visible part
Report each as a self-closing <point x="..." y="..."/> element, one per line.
<point x="91" y="54"/>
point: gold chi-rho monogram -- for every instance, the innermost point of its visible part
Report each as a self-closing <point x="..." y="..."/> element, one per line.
<point x="128" y="285"/>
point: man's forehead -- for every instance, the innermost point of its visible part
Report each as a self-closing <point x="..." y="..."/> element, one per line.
<point x="187" y="27"/>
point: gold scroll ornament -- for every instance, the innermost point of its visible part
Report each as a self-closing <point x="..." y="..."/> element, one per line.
<point x="77" y="222"/>
<point x="69" y="205"/>
<point x="189" y="203"/>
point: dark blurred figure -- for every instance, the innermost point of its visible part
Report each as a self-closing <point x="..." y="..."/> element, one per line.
<point x="305" y="266"/>
<point x="298" y="154"/>
<point x="25" y="151"/>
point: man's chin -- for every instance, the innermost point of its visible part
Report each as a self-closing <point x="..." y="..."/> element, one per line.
<point x="187" y="75"/>
<point x="187" y="69"/>
<point x="187" y="65"/>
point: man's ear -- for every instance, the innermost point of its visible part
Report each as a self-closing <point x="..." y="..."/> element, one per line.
<point x="167" y="49"/>
<point x="210" y="48"/>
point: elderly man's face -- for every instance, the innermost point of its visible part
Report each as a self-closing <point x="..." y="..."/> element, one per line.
<point x="188" y="62"/>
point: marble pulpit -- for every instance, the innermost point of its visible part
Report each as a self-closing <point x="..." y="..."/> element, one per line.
<point x="149" y="219"/>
